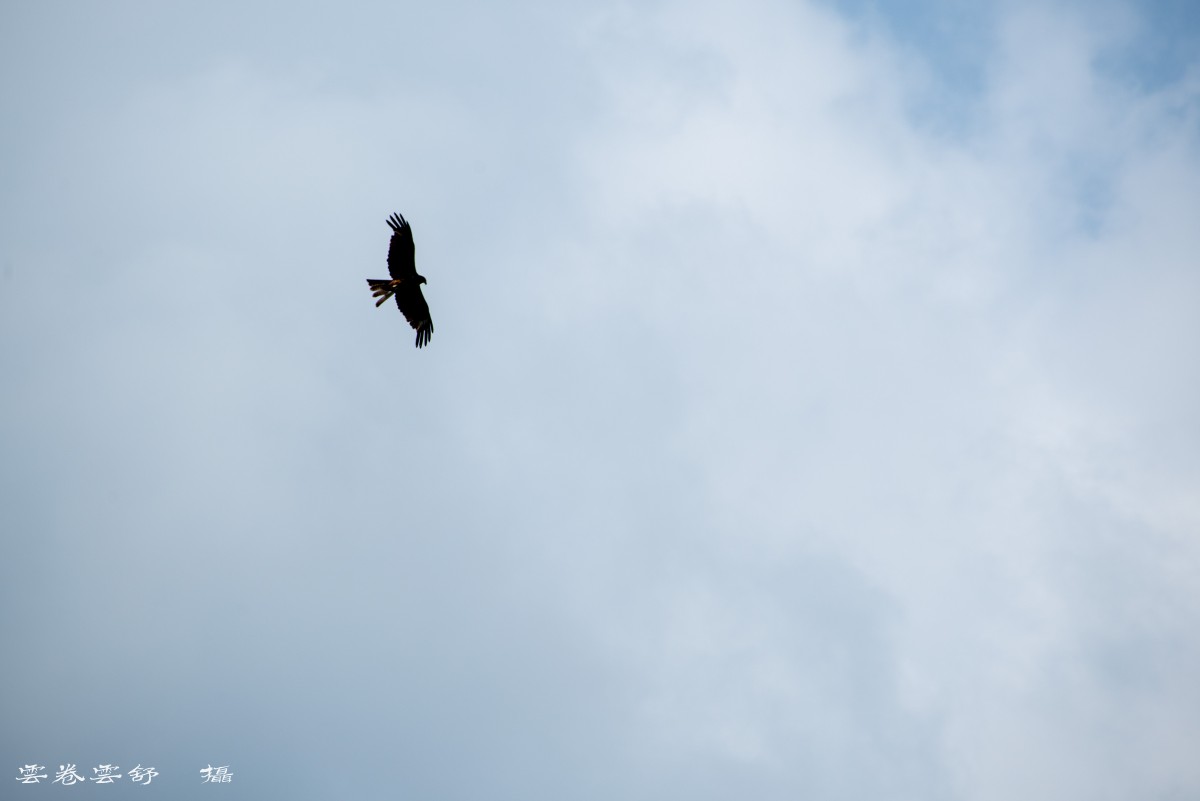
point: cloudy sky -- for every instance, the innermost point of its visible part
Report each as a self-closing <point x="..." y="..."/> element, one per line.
<point x="811" y="411"/>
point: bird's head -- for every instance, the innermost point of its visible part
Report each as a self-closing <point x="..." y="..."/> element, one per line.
<point x="421" y="279"/>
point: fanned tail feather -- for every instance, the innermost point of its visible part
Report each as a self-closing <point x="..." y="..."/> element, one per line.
<point x="381" y="289"/>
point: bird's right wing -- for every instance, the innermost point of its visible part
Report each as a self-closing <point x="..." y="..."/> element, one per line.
<point x="401" y="263"/>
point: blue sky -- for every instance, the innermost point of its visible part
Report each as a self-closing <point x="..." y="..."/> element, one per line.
<point x="811" y="411"/>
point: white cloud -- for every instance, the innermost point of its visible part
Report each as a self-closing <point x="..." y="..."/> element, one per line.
<point x="776" y="439"/>
<point x="963" y="366"/>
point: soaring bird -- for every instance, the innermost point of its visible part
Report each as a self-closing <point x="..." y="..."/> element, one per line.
<point x="405" y="283"/>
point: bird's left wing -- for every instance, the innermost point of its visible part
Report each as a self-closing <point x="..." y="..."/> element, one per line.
<point x="412" y="305"/>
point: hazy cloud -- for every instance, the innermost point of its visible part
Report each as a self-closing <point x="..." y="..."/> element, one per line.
<point x="802" y="418"/>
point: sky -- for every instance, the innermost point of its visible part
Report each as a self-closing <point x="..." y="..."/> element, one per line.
<point x="811" y="410"/>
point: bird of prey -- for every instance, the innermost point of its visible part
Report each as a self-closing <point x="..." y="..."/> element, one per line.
<point x="405" y="284"/>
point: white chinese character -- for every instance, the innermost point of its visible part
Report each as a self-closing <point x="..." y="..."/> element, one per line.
<point x="104" y="774"/>
<point x="215" y="775"/>
<point x="29" y="774"/>
<point x="139" y="774"/>
<point x="67" y="775"/>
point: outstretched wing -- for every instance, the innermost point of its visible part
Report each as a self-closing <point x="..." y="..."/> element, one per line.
<point x="400" y="254"/>
<point x="414" y="308"/>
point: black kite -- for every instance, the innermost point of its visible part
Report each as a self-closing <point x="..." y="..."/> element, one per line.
<point x="405" y="283"/>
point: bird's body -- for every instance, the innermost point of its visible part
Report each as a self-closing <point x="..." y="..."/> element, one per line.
<point x="405" y="284"/>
